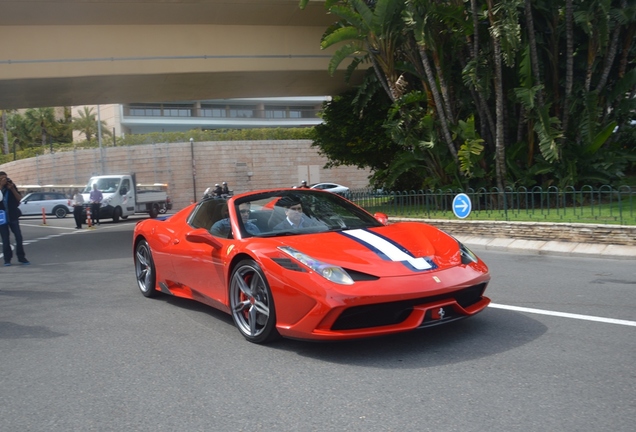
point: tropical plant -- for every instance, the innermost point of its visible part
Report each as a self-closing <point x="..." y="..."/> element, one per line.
<point x="41" y="122"/>
<point x="542" y="91"/>
<point x="86" y="124"/>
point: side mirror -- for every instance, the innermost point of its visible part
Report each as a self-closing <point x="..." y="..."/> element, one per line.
<point x="382" y="218"/>
<point x="201" y="235"/>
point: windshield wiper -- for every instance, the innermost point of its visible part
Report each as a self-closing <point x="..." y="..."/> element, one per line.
<point x="279" y="234"/>
<point x="337" y="229"/>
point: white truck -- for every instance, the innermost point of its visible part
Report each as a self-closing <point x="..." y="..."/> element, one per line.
<point x="122" y="197"/>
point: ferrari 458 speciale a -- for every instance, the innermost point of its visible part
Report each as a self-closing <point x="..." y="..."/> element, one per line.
<point x="308" y="264"/>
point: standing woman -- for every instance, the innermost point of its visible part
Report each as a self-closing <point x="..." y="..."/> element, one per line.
<point x="9" y="204"/>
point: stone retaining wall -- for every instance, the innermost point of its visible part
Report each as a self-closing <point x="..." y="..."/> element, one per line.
<point x="245" y="165"/>
<point x="564" y="232"/>
<point x="248" y="165"/>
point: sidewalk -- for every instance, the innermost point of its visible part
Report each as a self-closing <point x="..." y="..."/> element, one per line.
<point x="552" y="247"/>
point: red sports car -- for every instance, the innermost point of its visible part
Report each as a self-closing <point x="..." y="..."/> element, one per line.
<point x="308" y="264"/>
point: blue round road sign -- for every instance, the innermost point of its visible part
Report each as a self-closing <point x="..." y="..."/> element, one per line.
<point x="462" y="205"/>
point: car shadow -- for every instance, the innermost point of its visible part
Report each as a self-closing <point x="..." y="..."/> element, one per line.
<point x="491" y="332"/>
<point x="195" y="306"/>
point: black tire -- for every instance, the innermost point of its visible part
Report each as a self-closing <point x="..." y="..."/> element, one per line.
<point x="145" y="270"/>
<point x="116" y="214"/>
<point x="252" y="304"/>
<point x="60" y="212"/>
<point x="154" y="211"/>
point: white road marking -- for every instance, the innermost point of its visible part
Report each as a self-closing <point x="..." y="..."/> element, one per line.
<point x="72" y="231"/>
<point x="493" y="305"/>
<point x="565" y="315"/>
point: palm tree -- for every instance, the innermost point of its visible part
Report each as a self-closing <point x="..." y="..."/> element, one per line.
<point x="372" y="35"/>
<point x="500" y="152"/>
<point x="569" y="62"/>
<point x="17" y="131"/>
<point x="527" y="70"/>
<point x="86" y="124"/>
<point x="41" y="122"/>
<point x="424" y="22"/>
<point x="4" y="132"/>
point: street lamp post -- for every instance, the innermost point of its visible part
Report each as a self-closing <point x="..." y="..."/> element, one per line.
<point x="194" y="170"/>
<point x="99" y="137"/>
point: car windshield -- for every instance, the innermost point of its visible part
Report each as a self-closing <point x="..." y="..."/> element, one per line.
<point x="297" y="212"/>
<point x="104" y="185"/>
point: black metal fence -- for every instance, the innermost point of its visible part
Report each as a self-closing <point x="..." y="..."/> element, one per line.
<point x="603" y="205"/>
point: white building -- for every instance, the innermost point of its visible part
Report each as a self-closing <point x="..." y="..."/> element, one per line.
<point x="142" y="118"/>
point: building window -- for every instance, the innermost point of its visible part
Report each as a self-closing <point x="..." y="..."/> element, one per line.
<point x="242" y="111"/>
<point x="291" y="112"/>
<point x="145" y="110"/>
<point x="303" y="112"/>
<point x="216" y="111"/>
<point x="275" y="112"/>
<point x="177" y="111"/>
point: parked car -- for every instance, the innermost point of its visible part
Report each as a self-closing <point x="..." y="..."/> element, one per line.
<point x="331" y="187"/>
<point x="307" y="264"/>
<point x="53" y="203"/>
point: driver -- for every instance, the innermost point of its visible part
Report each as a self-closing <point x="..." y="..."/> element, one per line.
<point x="294" y="216"/>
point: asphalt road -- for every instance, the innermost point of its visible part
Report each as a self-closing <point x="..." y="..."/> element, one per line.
<point x="82" y="350"/>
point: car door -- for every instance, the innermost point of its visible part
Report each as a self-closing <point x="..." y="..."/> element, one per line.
<point x="128" y="203"/>
<point x="199" y="266"/>
<point x="52" y="200"/>
<point x="32" y="204"/>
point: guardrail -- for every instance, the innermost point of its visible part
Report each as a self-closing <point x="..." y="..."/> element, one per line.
<point x="603" y="205"/>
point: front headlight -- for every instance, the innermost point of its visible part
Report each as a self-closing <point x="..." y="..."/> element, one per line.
<point x="467" y="255"/>
<point x="330" y="272"/>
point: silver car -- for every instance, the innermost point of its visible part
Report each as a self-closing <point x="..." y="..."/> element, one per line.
<point x="53" y="203"/>
<point x="332" y="187"/>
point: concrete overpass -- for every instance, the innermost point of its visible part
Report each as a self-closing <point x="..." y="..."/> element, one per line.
<point x="82" y="52"/>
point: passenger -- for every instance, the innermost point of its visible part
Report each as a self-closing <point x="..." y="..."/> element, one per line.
<point x="303" y="185"/>
<point x="225" y="190"/>
<point x="223" y="227"/>
<point x="218" y="191"/>
<point x="208" y="193"/>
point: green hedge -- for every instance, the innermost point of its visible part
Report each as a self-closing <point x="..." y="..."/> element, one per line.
<point x="278" y="134"/>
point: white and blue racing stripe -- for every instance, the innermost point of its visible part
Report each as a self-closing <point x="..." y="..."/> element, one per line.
<point x="389" y="250"/>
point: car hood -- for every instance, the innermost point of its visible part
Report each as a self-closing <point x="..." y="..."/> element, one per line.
<point x="392" y="250"/>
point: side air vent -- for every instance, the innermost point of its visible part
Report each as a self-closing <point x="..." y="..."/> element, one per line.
<point x="289" y="264"/>
<point x="359" y="276"/>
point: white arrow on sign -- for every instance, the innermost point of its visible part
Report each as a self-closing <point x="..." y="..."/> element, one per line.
<point x="463" y="206"/>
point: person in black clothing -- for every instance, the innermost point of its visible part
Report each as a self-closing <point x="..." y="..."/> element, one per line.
<point x="218" y="190"/>
<point x="10" y="201"/>
<point x="225" y="190"/>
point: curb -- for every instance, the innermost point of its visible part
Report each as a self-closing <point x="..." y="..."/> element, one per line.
<point x="552" y="247"/>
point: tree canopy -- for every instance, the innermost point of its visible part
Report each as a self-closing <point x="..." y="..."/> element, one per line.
<point x="480" y="93"/>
